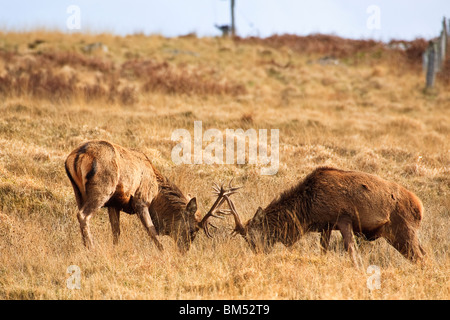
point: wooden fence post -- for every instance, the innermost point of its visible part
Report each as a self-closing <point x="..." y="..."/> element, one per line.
<point x="440" y="54"/>
<point x="435" y="55"/>
<point x="446" y="42"/>
<point x="448" y="31"/>
<point x="233" y="25"/>
<point x="442" y="46"/>
<point x="431" y="68"/>
<point x="425" y="61"/>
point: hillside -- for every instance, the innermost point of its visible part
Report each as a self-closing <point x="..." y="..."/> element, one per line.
<point x="351" y="104"/>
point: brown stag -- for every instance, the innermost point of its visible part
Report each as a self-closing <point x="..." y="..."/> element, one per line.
<point x="332" y="199"/>
<point x="104" y="174"/>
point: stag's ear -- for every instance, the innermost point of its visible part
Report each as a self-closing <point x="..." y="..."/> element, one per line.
<point x="258" y="215"/>
<point x="191" y="207"/>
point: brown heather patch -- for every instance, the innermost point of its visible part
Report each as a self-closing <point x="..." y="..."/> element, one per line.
<point x="75" y="59"/>
<point x="348" y="49"/>
<point x="162" y="77"/>
<point x="444" y="74"/>
<point x="61" y="76"/>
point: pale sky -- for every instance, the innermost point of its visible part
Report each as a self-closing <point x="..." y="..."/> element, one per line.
<point x="397" y="19"/>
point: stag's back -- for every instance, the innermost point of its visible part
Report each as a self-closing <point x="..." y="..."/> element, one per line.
<point x="328" y="193"/>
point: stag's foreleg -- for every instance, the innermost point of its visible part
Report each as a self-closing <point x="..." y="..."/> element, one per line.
<point x="144" y="215"/>
<point x="114" y="219"/>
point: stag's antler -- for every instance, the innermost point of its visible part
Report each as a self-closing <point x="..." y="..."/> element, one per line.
<point x="239" y="228"/>
<point x="222" y="194"/>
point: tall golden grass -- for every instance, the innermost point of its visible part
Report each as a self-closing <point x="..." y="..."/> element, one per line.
<point x="365" y="113"/>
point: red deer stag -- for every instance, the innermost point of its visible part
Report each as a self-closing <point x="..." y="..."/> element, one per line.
<point x="332" y="199"/>
<point x="104" y="174"/>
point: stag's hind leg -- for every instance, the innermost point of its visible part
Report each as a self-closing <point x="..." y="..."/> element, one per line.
<point x="346" y="228"/>
<point x="95" y="199"/>
<point x="84" y="215"/>
<point x="114" y="219"/>
<point x="325" y="240"/>
<point x="78" y="196"/>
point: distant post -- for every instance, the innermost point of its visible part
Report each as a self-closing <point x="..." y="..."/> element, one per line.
<point x="439" y="52"/>
<point x="431" y="69"/>
<point x="233" y="26"/>
<point x="442" y="46"/>
<point x="448" y="31"/>
<point x="445" y="40"/>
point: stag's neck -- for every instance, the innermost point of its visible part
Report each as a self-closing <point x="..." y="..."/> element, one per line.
<point x="291" y="206"/>
<point x="168" y="205"/>
<point x="159" y="177"/>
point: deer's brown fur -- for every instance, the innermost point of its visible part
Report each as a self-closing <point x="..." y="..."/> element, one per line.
<point x="165" y="213"/>
<point x="104" y="174"/>
<point x="349" y="201"/>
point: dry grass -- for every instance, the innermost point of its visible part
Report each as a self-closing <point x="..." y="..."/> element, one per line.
<point x="366" y="114"/>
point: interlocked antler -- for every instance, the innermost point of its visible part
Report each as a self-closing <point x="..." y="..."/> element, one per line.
<point x="222" y="194"/>
<point x="239" y="228"/>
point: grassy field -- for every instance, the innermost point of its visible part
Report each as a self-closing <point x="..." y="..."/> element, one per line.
<point x="367" y="112"/>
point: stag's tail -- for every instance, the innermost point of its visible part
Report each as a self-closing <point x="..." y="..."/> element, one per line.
<point x="80" y="170"/>
<point x="76" y="189"/>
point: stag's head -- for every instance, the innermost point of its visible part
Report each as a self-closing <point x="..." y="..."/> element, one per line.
<point x="255" y="231"/>
<point x="185" y="228"/>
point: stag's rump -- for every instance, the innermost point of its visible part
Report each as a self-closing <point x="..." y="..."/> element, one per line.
<point x="102" y="169"/>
